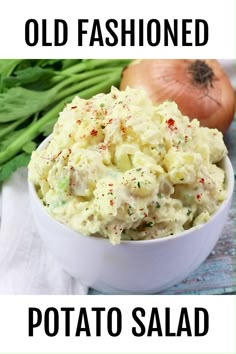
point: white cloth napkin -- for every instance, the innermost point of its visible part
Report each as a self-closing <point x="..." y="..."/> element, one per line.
<point x="26" y="267"/>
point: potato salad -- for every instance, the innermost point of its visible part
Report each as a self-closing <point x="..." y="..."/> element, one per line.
<point x="119" y="167"/>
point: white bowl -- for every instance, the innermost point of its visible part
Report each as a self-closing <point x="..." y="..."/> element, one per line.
<point x="132" y="267"/>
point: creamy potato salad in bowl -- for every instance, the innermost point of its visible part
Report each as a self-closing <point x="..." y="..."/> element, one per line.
<point x="130" y="196"/>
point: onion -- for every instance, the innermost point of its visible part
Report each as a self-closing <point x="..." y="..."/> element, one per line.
<point x="201" y="88"/>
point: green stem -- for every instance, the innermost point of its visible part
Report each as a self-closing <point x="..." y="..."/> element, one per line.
<point x="81" y="76"/>
<point x="7" y="128"/>
<point x="68" y="86"/>
<point x="89" y="83"/>
<point x="103" y="87"/>
<point x="95" y="63"/>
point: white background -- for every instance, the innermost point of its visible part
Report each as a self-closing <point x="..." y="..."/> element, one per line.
<point x="14" y="325"/>
<point x="219" y="14"/>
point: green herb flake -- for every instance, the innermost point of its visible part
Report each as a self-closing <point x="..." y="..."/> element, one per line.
<point x="129" y="211"/>
<point x="159" y="195"/>
<point x="158" y="205"/>
<point x="102" y="105"/>
<point x="139" y="185"/>
<point x="63" y="183"/>
<point x="189" y="212"/>
<point x="149" y="224"/>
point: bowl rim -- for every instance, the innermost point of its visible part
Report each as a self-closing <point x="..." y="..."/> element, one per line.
<point x="228" y="168"/>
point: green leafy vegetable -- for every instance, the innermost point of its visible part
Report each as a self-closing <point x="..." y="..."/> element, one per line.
<point x="29" y="76"/>
<point x="12" y="165"/>
<point x="8" y="66"/>
<point x="33" y="92"/>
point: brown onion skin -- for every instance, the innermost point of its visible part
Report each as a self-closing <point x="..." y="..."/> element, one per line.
<point x="169" y="79"/>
